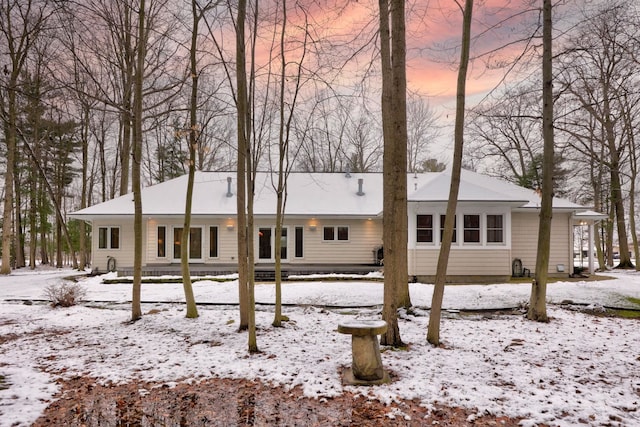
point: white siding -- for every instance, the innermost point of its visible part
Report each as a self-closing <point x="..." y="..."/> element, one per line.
<point x="227" y="239"/>
<point x="364" y="236"/>
<point x="525" y="240"/>
<point x="462" y="262"/>
<point x="123" y="255"/>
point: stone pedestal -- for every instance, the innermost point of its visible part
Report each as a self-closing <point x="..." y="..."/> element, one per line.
<point x="366" y="367"/>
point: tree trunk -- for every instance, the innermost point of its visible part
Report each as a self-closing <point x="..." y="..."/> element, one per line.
<point x="136" y="308"/>
<point x="241" y="172"/>
<point x="393" y="55"/>
<point x="633" y="166"/>
<point x="18" y="260"/>
<point x="192" y="309"/>
<point x="83" y="195"/>
<point x="7" y="218"/>
<point x="433" y="330"/>
<point x="537" y="303"/>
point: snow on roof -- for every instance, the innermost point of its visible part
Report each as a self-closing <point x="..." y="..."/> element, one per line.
<point x="314" y="194"/>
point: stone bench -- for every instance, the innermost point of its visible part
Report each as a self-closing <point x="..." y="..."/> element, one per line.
<point x="366" y="367"/>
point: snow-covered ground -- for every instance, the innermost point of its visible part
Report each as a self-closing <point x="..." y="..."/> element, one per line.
<point x="577" y="369"/>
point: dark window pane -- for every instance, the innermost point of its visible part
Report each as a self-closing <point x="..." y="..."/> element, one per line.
<point x="299" y="242"/>
<point x="472" y="221"/>
<point x="343" y="233"/>
<point x="494" y="221"/>
<point x="472" y="236"/>
<point x="494" y="236"/>
<point x="471" y="228"/>
<point x="213" y="242"/>
<point x="102" y="237"/>
<point x="283" y="244"/>
<point x="329" y="233"/>
<point x="424" y="228"/>
<point x="264" y="243"/>
<point x="495" y="229"/>
<point x="195" y="243"/>
<point x="115" y="238"/>
<point x="425" y="236"/>
<point x="425" y="221"/>
<point x="177" y="241"/>
<point x="162" y="238"/>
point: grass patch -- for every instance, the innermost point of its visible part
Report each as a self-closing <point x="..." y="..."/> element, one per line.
<point x="591" y="278"/>
<point x="632" y="300"/>
<point x="624" y="314"/>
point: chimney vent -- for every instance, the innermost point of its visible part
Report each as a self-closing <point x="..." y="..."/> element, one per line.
<point x="229" y="193"/>
<point x="360" y="182"/>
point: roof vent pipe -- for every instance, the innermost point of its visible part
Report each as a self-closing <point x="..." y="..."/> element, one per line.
<point x="347" y="172"/>
<point x="360" y="182"/>
<point x="229" y="193"/>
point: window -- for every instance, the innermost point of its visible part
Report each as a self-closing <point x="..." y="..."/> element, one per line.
<point x="264" y="243"/>
<point x="336" y="233"/>
<point x="213" y="242"/>
<point x="472" y="228"/>
<point x="343" y="233"/>
<point x="162" y="241"/>
<point x="109" y="238"/>
<point x="455" y="228"/>
<point x="424" y="228"/>
<point x="329" y="233"/>
<point x="283" y="244"/>
<point x="194" y="245"/>
<point x="495" y="229"/>
<point x="299" y="242"/>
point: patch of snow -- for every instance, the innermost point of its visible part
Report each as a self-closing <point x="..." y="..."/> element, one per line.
<point x="576" y="369"/>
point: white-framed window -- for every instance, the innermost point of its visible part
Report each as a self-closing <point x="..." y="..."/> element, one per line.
<point x="266" y="243"/>
<point x="335" y="233"/>
<point x="489" y="229"/>
<point x="424" y="228"/>
<point x="495" y="228"/>
<point x="194" y="244"/>
<point x="108" y="237"/>
<point x="471" y="225"/>
<point x="455" y="228"/>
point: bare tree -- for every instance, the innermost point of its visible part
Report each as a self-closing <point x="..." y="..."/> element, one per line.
<point x="433" y="330"/>
<point x="422" y="130"/>
<point x="538" y="302"/>
<point x="193" y="137"/>
<point x="136" y="308"/>
<point x="21" y="23"/>
<point x="598" y="70"/>
<point x="394" y="129"/>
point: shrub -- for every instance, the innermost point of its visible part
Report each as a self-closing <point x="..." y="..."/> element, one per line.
<point x="65" y="294"/>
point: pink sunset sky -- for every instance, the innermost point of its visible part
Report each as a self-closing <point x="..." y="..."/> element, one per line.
<point x="433" y="33"/>
<point x="433" y="37"/>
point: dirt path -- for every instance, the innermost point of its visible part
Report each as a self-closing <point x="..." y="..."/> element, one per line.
<point x="224" y="402"/>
